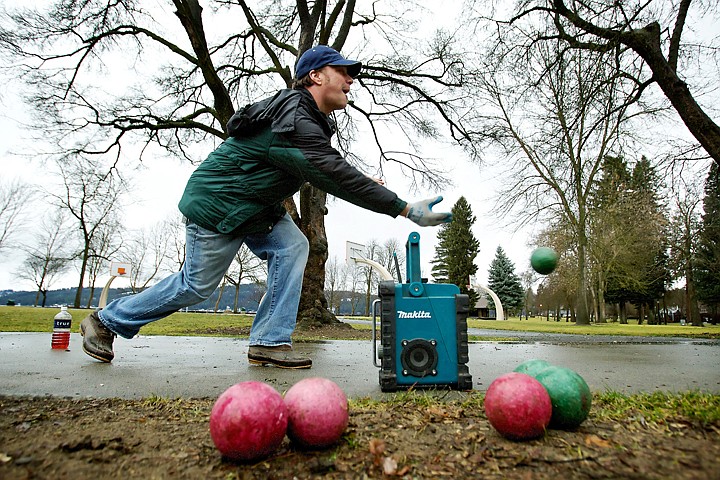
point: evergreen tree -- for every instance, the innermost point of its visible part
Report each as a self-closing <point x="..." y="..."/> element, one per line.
<point x="707" y="271"/>
<point x="628" y="236"/>
<point x="611" y="232"/>
<point x="457" y="248"/>
<point x="505" y="282"/>
<point x="654" y="272"/>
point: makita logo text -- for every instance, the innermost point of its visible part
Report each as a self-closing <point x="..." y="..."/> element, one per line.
<point x="414" y="314"/>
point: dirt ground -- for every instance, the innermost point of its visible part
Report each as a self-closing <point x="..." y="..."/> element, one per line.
<point x="340" y="331"/>
<point x="43" y="437"/>
<point x="169" y="438"/>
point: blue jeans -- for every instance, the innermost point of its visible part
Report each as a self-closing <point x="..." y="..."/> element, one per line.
<point x="207" y="257"/>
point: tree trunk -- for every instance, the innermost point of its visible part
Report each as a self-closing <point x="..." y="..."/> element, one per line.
<point x="368" y="287"/>
<point x="189" y="12"/>
<point x="646" y="43"/>
<point x="222" y="289"/>
<point x="313" y="309"/>
<point x="652" y="319"/>
<point x="83" y="269"/>
<point x="691" y="305"/>
<point x="237" y="296"/>
<point x="601" y="304"/>
<point x="623" y="312"/>
<point x="691" y="308"/>
<point x="90" y="298"/>
<point x="583" y="312"/>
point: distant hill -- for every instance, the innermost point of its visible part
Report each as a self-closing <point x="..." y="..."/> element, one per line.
<point x="248" y="298"/>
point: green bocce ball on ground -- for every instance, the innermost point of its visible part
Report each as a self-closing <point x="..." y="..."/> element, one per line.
<point x="569" y="394"/>
<point x="532" y="367"/>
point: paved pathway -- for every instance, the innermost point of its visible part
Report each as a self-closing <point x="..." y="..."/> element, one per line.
<point x="174" y="367"/>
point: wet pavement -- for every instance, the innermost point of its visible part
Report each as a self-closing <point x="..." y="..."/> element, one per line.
<point x="173" y="367"/>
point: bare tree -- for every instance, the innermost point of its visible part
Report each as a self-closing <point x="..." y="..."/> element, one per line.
<point x="356" y="283"/>
<point x="373" y="251"/>
<point x="176" y="249"/>
<point x="382" y="254"/>
<point x="655" y="42"/>
<point x="246" y="266"/>
<point x="563" y="284"/>
<point x="223" y="284"/>
<point x="528" y="278"/>
<point x="555" y="115"/>
<point x="147" y="250"/>
<point x="15" y="198"/>
<point x="627" y="235"/>
<point x="611" y="245"/>
<point x="685" y="228"/>
<point x="392" y="249"/>
<point x="333" y="283"/>
<point x="91" y="197"/>
<point x="105" y="244"/>
<point x="186" y="95"/>
<point x="49" y="255"/>
<point x="343" y="283"/>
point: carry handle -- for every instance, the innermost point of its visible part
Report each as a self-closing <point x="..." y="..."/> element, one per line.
<point x="374" y="334"/>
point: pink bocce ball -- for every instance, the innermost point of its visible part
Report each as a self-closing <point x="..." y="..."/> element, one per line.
<point x="518" y="406"/>
<point x="318" y="412"/>
<point x="248" y="421"/>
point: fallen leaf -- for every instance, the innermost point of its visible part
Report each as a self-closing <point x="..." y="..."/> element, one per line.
<point x="594" y="440"/>
<point x="389" y="466"/>
<point x="377" y="447"/>
<point x="404" y="470"/>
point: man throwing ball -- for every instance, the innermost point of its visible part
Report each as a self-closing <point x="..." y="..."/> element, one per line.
<point x="235" y="197"/>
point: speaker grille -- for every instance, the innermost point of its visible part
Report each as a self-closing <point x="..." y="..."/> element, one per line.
<point x="419" y="357"/>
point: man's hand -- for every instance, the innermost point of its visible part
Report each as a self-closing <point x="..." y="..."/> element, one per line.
<point x="422" y="214"/>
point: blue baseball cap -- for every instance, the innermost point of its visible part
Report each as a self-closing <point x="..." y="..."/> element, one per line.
<point x="321" y="56"/>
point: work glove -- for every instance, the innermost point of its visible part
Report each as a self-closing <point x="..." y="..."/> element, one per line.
<point x="422" y="214"/>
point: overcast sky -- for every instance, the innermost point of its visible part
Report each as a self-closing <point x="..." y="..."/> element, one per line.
<point x="158" y="188"/>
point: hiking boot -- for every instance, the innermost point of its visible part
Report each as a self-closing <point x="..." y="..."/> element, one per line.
<point x="97" y="338"/>
<point x="281" y="356"/>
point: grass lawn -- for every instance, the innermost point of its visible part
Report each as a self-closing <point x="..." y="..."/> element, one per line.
<point x="36" y="319"/>
<point x="539" y="324"/>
